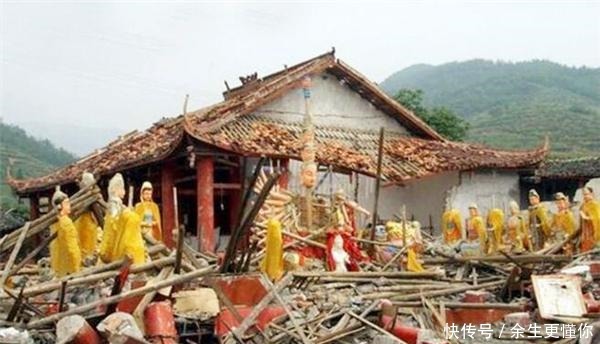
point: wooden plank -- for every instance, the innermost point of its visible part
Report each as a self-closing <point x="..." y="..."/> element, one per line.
<point x="228" y="186"/>
<point x="377" y="187"/>
<point x="138" y="313"/>
<point x="116" y="298"/>
<point x="13" y="254"/>
<point x="288" y="311"/>
<point x="375" y="327"/>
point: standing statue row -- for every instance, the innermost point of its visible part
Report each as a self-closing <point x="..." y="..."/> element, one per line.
<point x="76" y="244"/>
<point x="532" y="230"/>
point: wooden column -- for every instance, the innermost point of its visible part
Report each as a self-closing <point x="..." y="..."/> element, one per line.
<point x="235" y="195"/>
<point x="167" y="202"/>
<point x="34" y="207"/>
<point x="285" y="174"/>
<point x="34" y="213"/>
<point x="205" y="202"/>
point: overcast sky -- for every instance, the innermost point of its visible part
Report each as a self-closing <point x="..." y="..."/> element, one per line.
<point x="124" y="66"/>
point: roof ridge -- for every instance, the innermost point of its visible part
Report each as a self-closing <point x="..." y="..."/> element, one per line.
<point x="286" y="69"/>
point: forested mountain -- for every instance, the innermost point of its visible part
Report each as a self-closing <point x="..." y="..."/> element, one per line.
<point x="514" y="105"/>
<point x="25" y="156"/>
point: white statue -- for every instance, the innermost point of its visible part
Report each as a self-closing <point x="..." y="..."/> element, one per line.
<point x="339" y="256"/>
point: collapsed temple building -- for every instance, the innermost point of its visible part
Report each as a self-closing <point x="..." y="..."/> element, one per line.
<point x="209" y="153"/>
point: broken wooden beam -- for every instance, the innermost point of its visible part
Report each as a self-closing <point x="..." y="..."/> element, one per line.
<point x="466" y="305"/>
<point x="116" y="298"/>
<point x="444" y="292"/>
<point x="80" y="202"/>
<point x="369" y="274"/>
<point x="523" y="259"/>
<point x="287" y="310"/>
<point x="13" y="254"/>
<point x="375" y="327"/>
<point x="247" y="222"/>
<point x="94" y="277"/>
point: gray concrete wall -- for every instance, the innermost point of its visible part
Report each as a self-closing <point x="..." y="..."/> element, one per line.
<point x="332" y="104"/>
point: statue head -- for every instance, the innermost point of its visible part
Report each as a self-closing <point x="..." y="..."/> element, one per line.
<point x="514" y="208"/>
<point x="451" y="220"/>
<point x="380" y="233"/>
<point x="309" y="175"/>
<point x="116" y="187"/>
<point x="473" y="210"/>
<point x="562" y="202"/>
<point x="60" y="201"/>
<point x="338" y="242"/>
<point x="394" y="230"/>
<point x="340" y="195"/>
<point x="86" y="180"/>
<point x="534" y="197"/>
<point x="146" y="192"/>
<point x="588" y="194"/>
<point x="495" y="218"/>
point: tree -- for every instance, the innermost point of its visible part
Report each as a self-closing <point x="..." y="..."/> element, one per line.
<point x="441" y="119"/>
<point x="412" y="100"/>
<point x="447" y="123"/>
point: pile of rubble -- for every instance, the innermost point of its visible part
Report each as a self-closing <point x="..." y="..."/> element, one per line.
<point x="181" y="295"/>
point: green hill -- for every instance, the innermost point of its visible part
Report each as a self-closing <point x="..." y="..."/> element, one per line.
<point x="25" y="156"/>
<point x="514" y="105"/>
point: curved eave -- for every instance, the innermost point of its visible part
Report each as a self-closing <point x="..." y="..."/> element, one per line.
<point x="70" y="173"/>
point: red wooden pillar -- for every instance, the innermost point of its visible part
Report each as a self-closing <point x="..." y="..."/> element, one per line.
<point x="284" y="179"/>
<point x="167" y="202"/>
<point x="205" y="201"/>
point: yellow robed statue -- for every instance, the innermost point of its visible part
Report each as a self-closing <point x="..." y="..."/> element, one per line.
<point x="476" y="231"/>
<point x="452" y="226"/>
<point x="65" y="254"/>
<point x="122" y="228"/>
<point x="590" y="220"/>
<point x="564" y="221"/>
<point x="86" y="224"/>
<point x="539" y="223"/>
<point x="272" y="263"/>
<point x="495" y="221"/>
<point x="148" y="211"/>
<point x="517" y="236"/>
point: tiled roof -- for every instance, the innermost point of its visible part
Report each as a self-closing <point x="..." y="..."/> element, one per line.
<point x="405" y="157"/>
<point x="230" y="125"/>
<point x="588" y="167"/>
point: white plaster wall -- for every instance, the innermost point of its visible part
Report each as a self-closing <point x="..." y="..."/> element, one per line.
<point x="594" y="184"/>
<point x="423" y="197"/>
<point x="488" y="189"/>
<point x="332" y="104"/>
